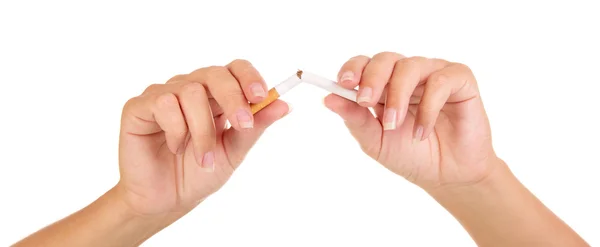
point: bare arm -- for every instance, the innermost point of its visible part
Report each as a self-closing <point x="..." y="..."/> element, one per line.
<point x="434" y="131"/>
<point x="500" y="211"/>
<point x="105" y="222"/>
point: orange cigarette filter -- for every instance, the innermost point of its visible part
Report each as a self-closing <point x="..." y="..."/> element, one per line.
<point x="277" y="91"/>
<point x="271" y="96"/>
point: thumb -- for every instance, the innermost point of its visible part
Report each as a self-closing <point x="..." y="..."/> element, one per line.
<point x="237" y="143"/>
<point x="365" y="128"/>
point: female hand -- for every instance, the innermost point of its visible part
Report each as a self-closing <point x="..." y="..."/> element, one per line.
<point x="430" y="125"/>
<point x="175" y="149"/>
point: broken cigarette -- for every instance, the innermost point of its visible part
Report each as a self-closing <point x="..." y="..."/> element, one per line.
<point x="278" y="90"/>
<point x="329" y="85"/>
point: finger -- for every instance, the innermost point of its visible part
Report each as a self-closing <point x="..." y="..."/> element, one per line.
<point x="215" y="108"/>
<point x="351" y="71"/>
<point x="138" y="113"/>
<point x="226" y="90"/>
<point x="449" y="85"/>
<point x="169" y="117"/>
<point x="177" y="78"/>
<point x="375" y="77"/>
<point x="196" y="110"/>
<point x="250" y="80"/>
<point x="378" y="109"/>
<point x="238" y="143"/>
<point x="415" y="98"/>
<point x="360" y="121"/>
<point x="407" y="74"/>
<point x="220" y="125"/>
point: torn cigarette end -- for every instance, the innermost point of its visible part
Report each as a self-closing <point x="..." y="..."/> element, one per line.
<point x="277" y="91"/>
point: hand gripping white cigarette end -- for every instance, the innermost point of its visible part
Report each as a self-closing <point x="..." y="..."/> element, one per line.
<point x="329" y="85"/>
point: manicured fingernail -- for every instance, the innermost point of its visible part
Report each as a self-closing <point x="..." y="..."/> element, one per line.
<point x="258" y="90"/>
<point x="244" y="119"/>
<point x="208" y="162"/>
<point x="365" y="95"/>
<point x="347" y="77"/>
<point x="389" y="119"/>
<point x="418" y="134"/>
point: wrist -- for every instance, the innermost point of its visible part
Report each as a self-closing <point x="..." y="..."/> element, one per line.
<point x="127" y="224"/>
<point x="500" y="211"/>
<point x="126" y="227"/>
<point x="498" y="176"/>
<point x="107" y="221"/>
<point x="144" y="225"/>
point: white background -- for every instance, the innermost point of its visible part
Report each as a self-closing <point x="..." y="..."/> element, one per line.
<point x="68" y="67"/>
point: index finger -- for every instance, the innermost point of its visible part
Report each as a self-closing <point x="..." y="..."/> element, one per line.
<point x="351" y="72"/>
<point x="250" y="80"/>
<point x="407" y="75"/>
<point x="225" y="89"/>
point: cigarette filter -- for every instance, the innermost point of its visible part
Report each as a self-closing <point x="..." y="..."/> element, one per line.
<point x="329" y="85"/>
<point x="275" y="92"/>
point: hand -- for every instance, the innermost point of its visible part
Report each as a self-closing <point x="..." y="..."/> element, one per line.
<point x="430" y="124"/>
<point x="175" y="149"/>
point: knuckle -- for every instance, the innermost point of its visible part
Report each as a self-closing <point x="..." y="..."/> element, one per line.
<point x="131" y="103"/>
<point x="359" y="58"/>
<point x="409" y="63"/>
<point x="386" y="55"/>
<point x="464" y="68"/>
<point x="415" y="60"/>
<point x="214" y="70"/>
<point x="213" y="73"/>
<point x="438" y="79"/>
<point x="240" y="62"/>
<point x="153" y="88"/>
<point x="193" y="88"/>
<point x="180" y="77"/>
<point x="166" y="100"/>
<point x="245" y="71"/>
<point x="208" y="73"/>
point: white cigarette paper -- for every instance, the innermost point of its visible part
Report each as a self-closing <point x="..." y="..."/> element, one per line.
<point x="275" y="92"/>
<point x="329" y="85"/>
<point x="288" y="84"/>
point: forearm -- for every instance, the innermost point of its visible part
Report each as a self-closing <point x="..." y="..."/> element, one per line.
<point x="105" y="222"/>
<point x="500" y="211"/>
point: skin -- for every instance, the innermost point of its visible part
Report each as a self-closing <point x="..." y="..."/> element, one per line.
<point x="430" y="127"/>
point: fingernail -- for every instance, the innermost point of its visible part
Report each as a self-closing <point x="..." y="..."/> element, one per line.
<point x="389" y="119"/>
<point x="418" y="134"/>
<point x="244" y="119"/>
<point x="365" y="95"/>
<point x="208" y="162"/>
<point x="347" y="77"/>
<point x="258" y="90"/>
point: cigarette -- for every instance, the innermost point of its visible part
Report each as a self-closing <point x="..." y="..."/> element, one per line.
<point x="329" y="85"/>
<point x="278" y="90"/>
